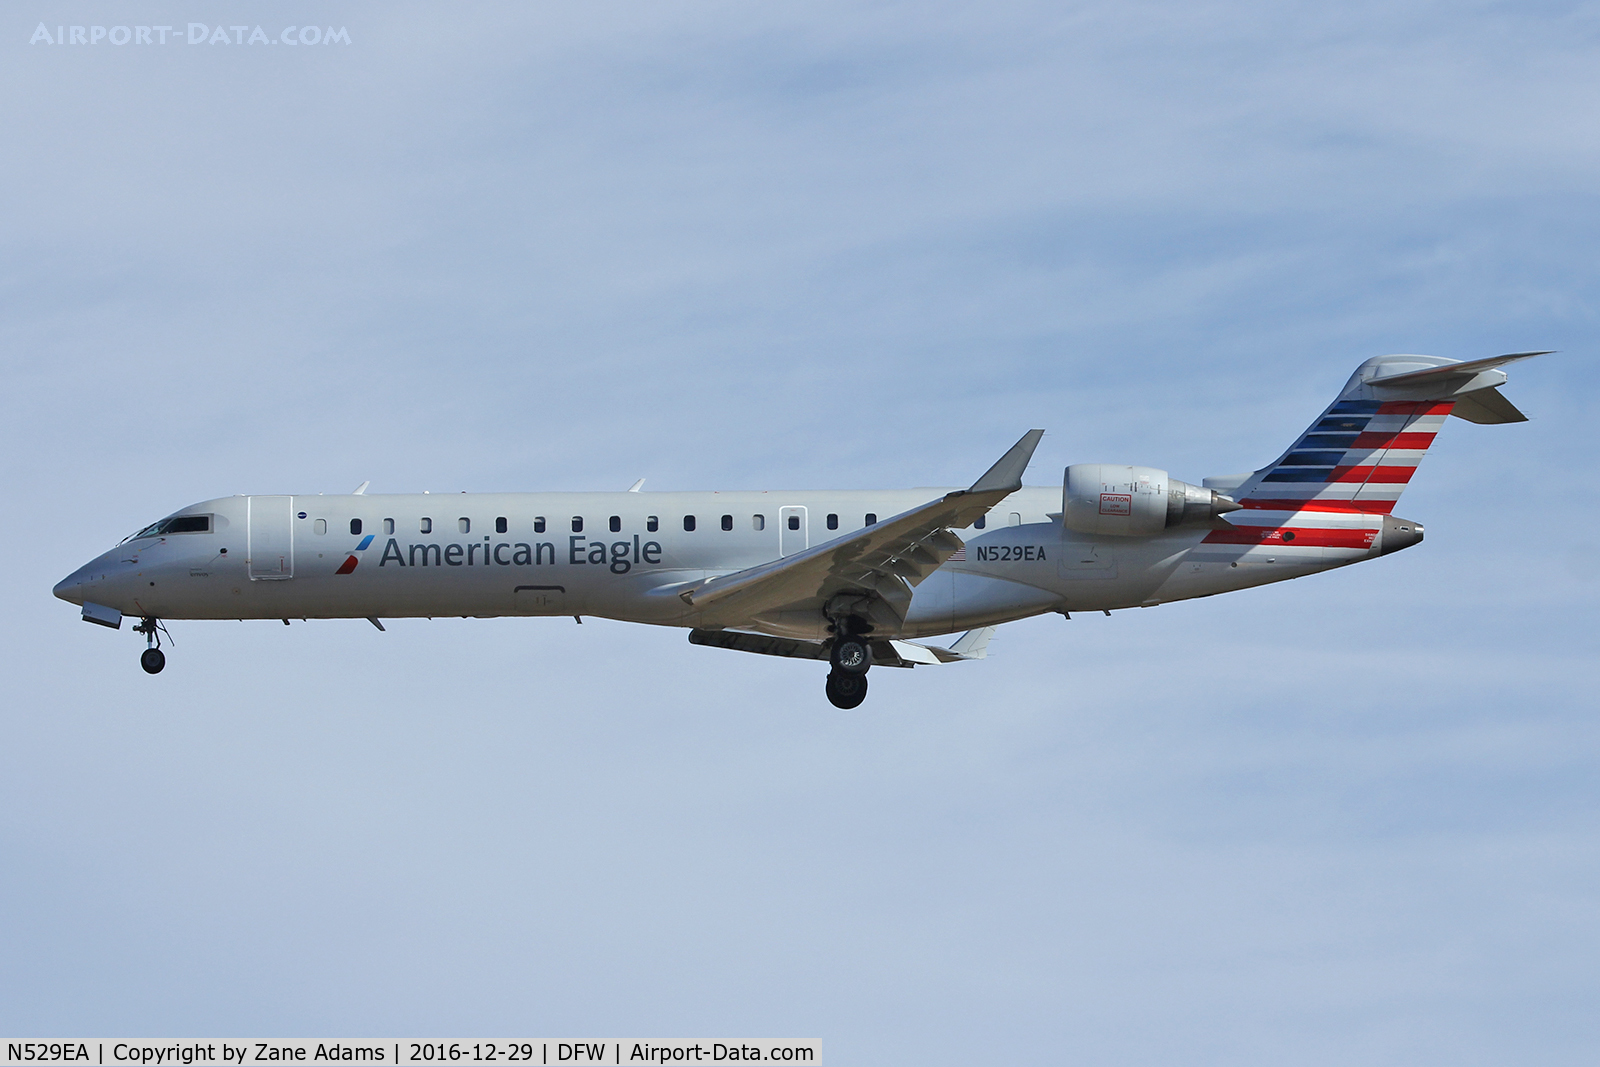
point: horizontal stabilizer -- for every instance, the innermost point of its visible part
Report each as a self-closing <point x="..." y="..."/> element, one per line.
<point x="1452" y="370"/>
<point x="1487" y="406"/>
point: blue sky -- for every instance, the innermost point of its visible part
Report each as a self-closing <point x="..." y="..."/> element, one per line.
<point x="520" y="247"/>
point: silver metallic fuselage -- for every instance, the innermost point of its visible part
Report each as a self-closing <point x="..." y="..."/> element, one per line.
<point x="1023" y="563"/>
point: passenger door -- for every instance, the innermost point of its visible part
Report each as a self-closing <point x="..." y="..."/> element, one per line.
<point x="269" y="543"/>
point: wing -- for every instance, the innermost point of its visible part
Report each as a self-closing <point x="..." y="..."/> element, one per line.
<point x="879" y="565"/>
<point x="972" y="645"/>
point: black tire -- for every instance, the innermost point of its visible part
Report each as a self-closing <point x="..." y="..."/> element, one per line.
<point x="846" y="691"/>
<point x="153" y="660"/>
<point x="851" y="655"/>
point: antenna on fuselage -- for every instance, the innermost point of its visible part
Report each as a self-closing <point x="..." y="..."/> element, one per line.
<point x="362" y="488"/>
<point x="636" y="486"/>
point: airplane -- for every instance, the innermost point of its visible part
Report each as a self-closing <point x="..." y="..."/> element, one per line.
<point x="856" y="578"/>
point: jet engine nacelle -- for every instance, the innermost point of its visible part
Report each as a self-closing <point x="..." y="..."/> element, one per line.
<point x="1123" y="501"/>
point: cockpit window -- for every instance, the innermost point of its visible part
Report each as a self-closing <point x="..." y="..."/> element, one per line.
<point x="176" y="525"/>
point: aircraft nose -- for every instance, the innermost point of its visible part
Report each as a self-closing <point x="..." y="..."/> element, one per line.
<point x="70" y="588"/>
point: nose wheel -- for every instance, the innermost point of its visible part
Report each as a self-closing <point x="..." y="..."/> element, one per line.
<point x="152" y="659"/>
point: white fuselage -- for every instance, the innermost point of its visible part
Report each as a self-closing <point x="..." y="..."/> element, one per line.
<point x="495" y="554"/>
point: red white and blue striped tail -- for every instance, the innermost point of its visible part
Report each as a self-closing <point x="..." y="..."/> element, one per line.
<point x="1331" y="489"/>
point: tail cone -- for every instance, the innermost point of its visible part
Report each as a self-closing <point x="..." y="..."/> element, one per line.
<point x="1398" y="533"/>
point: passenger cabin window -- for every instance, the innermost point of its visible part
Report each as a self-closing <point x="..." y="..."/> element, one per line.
<point x="355" y="526"/>
<point x="388" y="526"/>
<point x="616" y="524"/>
<point x="688" y="522"/>
<point x="653" y="523"/>
<point x="983" y="520"/>
<point x="177" y="524"/>
<point x="833" y="521"/>
<point x="727" y="522"/>
<point x="758" y="522"/>
<point x="500" y="525"/>
<point x="320" y="526"/>
<point x="426" y="526"/>
<point x="794" y="522"/>
<point x="577" y="524"/>
<point x="1016" y="519"/>
<point x="464" y="525"/>
<point x="872" y="518"/>
<point x="538" y="524"/>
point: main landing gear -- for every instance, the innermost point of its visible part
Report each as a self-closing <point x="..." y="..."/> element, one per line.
<point x="152" y="659"/>
<point x="846" y="690"/>
<point x="851" y="656"/>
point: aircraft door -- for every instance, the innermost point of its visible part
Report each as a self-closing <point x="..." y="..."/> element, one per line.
<point x="269" y="549"/>
<point x="793" y="533"/>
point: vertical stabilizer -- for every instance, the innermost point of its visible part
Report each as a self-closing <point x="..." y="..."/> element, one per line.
<point x="1331" y="489"/>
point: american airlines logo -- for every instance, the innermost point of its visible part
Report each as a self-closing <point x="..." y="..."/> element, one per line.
<point x="355" y="556"/>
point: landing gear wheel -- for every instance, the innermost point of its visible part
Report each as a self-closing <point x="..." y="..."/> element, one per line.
<point x="153" y="660"/>
<point x="846" y="690"/>
<point x="850" y="655"/>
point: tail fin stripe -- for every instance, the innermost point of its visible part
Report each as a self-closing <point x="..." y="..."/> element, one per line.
<point x="1395" y="475"/>
<point x="1416" y="407"/>
<point x="1382" y="457"/>
<point x="1354" y="507"/>
<point x="1338" y="422"/>
<point x="1421" y="441"/>
<point x="1300" y="536"/>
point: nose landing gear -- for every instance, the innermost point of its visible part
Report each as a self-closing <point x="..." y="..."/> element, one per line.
<point x="152" y="659"/>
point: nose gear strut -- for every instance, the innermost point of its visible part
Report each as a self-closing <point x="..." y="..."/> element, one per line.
<point x="153" y="659"/>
